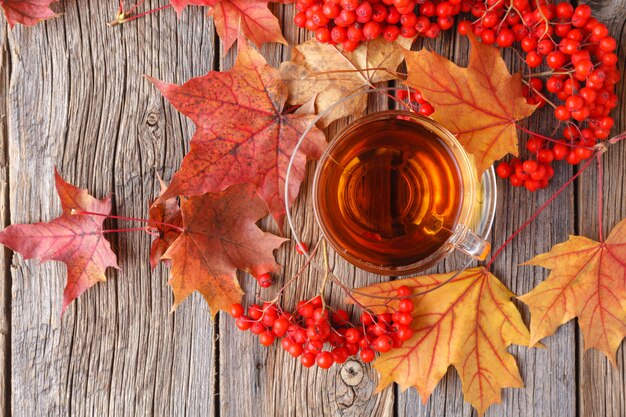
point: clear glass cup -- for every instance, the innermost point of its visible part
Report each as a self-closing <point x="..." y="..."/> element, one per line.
<point x="476" y="205"/>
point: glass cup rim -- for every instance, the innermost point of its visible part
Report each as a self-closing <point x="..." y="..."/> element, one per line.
<point x="464" y="218"/>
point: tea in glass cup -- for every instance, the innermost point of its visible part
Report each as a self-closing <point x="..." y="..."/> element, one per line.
<point x="393" y="193"/>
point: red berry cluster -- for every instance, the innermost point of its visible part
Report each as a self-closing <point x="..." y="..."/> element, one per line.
<point x="414" y="100"/>
<point x="350" y="22"/>
<point x="574" y="46"/>
<point x="319" y="337"/>
<point x="582" y="76"/>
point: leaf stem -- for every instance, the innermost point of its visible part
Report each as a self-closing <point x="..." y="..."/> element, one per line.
<point x="124" y="17"/>
<point x="542" y="208"/>
<point x="600" y="195"/>
<point x="111" y="216"/>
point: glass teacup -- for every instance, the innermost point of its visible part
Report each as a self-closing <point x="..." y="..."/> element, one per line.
<point x="395" y="192"/>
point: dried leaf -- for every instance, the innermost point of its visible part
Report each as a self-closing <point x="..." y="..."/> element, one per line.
<point x="468" y="323"/>
<point x="219" y="237"/>
<point x="332" y="74"/>
<point x="480" y="103"/>
<point x="242" y="134"/>
<point x="27" y="12"/>
<point x="74" y="239"/>
<point x="588" y="281"/>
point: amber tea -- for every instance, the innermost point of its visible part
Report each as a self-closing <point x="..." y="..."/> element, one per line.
<point x="389" y="192"/>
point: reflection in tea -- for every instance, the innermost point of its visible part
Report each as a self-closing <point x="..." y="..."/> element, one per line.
<point x="390" y="192"/>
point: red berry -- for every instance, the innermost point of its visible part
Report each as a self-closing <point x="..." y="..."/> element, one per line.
<point x="258" y="327"/>
<point x="364" y="12"/>
<point x="504" y="170"/>
<point x="560" y="151"/>
<point x="404" y="333"/>
<point x="243" y="323"/>
<point x="266" y="338"/>
<point x="265" y="280"/>
<point x="574" y="103"/>
<point x="545" y="156"/>
<point x="322" y="35"/>
<point x="383" y="343"/>
<point x="307" y="359"/>
<point x="406" y="305"/>
<point x="236" y="310"/>
<point x="403" y="291"/>
<point x="561" y="113"/>
<point x="391" y="33"/>
<point x="372" y="30"/>
<point x="280" y="326"/>
<point x="530" y="166"/>
<point x="353" y="335"/>
<point x="367" y="355"/>
<point x="324" y="360"/>
<point x="295" y="350"/>
<point x="340" y="354"/>
<point x="255" y="312"/>
<point x="404" y="319"/>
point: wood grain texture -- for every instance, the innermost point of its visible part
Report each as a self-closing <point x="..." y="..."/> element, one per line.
<point x="602" y="388"/>
<point x="269" y="382"/>
<point x="5" y="254"/>
<point x="72" y="95"/>
<point x="78" y="100"/>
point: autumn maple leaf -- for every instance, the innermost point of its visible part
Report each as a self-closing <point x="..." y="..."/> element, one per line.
<point x="252" y="17"/>
<point x="220" y="236"/>
<point x="480" y="103"/>
<point x="74" y="239"/>
<point x="27" y="12"/>
<point x="468" y="323"/>
<point x="164" y="215"/>
<point x="328" y="73"/>
<point x="242" y="134"/>
<point x="588" y="281"/>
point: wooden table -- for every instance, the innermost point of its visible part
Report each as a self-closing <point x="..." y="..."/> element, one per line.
<point x="72" y="94"/>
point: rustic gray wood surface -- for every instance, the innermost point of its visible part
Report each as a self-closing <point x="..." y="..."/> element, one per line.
<point x="72" y="95"/>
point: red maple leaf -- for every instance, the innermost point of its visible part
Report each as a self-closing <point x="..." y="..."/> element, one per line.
<point x="74" y="239"/>
<point x="252" y="17"/>
<point x="242" y="134"/>
<point x="27" y="12"/>
<point x="163" y="216"/>
<point x="219" y="237"/>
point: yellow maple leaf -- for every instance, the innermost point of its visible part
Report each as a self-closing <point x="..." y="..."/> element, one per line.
<point x="468" y="323"/>
<point x="329" y="74"/>
<point x="480" y="103"/>
<point x="588" y="281"/>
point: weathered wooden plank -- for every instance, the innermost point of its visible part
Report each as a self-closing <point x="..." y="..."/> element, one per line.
<point x="602" y="387"/>
<point x="78" y="100"/>
<point x="268" y="381"/>
<point x="549" y="374"/>
<point x="5" y="278"/>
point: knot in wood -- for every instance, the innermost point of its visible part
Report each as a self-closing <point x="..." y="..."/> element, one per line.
<point x="352" y="373"/>
<point x="153" y="118"/>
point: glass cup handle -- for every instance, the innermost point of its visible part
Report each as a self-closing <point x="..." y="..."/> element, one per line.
<point x="470" y="243"/>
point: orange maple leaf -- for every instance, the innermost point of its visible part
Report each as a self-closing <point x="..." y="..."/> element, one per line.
<point x="75" y="239"/>
<point x="469" y="322"/>
<point x="480" y="103"/>
<point x="588" y="281"/>
<point x="220" y="236"/>
<point x="242" y="134"/>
